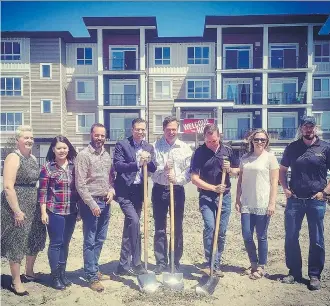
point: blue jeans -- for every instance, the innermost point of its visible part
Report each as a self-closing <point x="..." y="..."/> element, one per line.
<point x="60" y="229"/>
<point x="260" y="223"/>
<point x="95" y="232"/>
<point x="294" y="215"/>
<point x="209" y="208"/>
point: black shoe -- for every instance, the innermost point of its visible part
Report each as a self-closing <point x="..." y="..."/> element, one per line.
<point x="63" y="277"/>
<point x="121" y="271"/>
<point x="56" y="282"/>
<point x="12" y="288"/>
<point x="159" y="269"/>
<point x="314" y="283"/>
<point x="139" y="270"/>
<point x="290" y="279"/>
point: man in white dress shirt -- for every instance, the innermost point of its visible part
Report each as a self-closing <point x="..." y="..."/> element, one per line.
<point x="173" y="162"/>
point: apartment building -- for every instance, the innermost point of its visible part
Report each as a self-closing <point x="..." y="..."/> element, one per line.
<point x="245" y="72"/>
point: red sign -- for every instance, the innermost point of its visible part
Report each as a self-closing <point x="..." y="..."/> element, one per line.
<point x="192" y="126"/>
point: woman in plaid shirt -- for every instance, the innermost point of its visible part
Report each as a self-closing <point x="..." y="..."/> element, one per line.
<point x="58" y="201"/>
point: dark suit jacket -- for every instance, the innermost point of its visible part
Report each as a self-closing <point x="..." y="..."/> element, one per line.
<point x="126" y="165"/>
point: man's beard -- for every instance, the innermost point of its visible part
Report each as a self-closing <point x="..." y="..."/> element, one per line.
<point x="309" y="137"/>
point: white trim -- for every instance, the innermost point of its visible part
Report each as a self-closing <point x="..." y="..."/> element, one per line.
<point x="50" y="70"/>
<point x="199" y="46"/>
<point x="204" y="104"/>
<point x="10" y="40"/>
<point x="198" y="80"/>
<point x="42" y="106"/>
<point x="123" y="47"/>
<point x="61" y="84"/>
<point x="84" y="59"/>
<point x="321" y="77"/>
<point x="154" y="54"/>
<point x="251" y="46"/>
<point x="76" y="89"/>
<point x="14" y="77"/>
<point x="120" y="27"/>
<point x="163" y="114"/>
<point x="154" y="89"/>
<point x="81" y="114"/>
<point x="275" y="25"/>
<point x="282" y="81"/>
<point x="8" y="132"/>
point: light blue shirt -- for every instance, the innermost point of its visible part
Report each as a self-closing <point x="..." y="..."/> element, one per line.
<point x="138" y="151"/>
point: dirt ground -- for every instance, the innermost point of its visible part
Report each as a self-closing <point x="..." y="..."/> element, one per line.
<point x="233" y="289"/>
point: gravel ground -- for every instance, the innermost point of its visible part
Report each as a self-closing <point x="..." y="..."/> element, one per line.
<point x="233" y="289"/>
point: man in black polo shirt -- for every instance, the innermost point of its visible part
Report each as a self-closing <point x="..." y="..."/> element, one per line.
<point x="309" y="159"/>
<point x="206" y="166"/>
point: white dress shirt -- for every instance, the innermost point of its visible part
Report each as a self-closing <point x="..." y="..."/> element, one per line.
<point x="180" y="153"/>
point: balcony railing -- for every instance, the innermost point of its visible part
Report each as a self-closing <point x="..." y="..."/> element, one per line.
<point x="234" y="62"/>
<point x="121" y="100"/>
<point x="246" y="98"/>
<point x="286" y="62"/>
<point x="119" y="64"/>
<point x="235" y="134"/>
<point x="322" y="67"/>
<point x="282" y="133"/>
<point x="118" y="134"/>
<point x="277" y="98"/>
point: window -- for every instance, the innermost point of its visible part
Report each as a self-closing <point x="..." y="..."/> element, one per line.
<point x="45" y="71"/>
<point x="238" y="57"/>
<point x="84" y="122"/>
<point x="284" y="91"/>
<point x="198" y="55"/>
<point x="85" y="90"/>
<point x="321" y="88"/>
<point x="282" y="125"/>
<point x="123" y="58"/>
<point x="283" y="56"/>
<point x="46" y="106"/>
<point x="10" y="121"/>
<point x="84" y="56"/>
<point x="162" y="55"/>
<point x="238" y="90"/>
<point x="123" y="93"/>
<point x="323" y="120"/>
<point x="158" y="123"/>
<point x="121" y="125"/>
<point x="322" y="52"/>
<point x="162" y="90"/>
<point x="11" y="86"/>
<point x="194" y="115"/>
<point x="10" y="51"/>
<point x="236" y="125"/>
<point x="198" y="89"/>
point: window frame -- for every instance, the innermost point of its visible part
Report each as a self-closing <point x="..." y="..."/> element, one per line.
<point x="237" y="81"/>
<point x="321" y="78"/>
<point x="198" y="80"/>
<point x="322" y="42"/>
<point x="77" y="121"/>
<point x="76" y="89"/>
<point x="84" y="59"/>
<point x="202" y="58"/>
<point x="319" y="117"/>
<point x="15" y="126"/>
<point x="123" y="48"/>
<point x="12" y="54"/>
<point x="238" y="45"/>
<point x="50" y="71"/>
<point x="154" y="122"/>
<point x="162" y="97"/>
<point x="162" y="59"/>
<point x="12" y="77"/>
<point x="296" y="45"/>
<point x="283" y="115"/>
<point x="42" y="110"/>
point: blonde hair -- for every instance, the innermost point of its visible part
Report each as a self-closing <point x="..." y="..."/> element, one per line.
<point x="21" y="129"/>
<point x="251" y="137"/>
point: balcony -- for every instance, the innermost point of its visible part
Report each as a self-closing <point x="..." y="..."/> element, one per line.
<point x="118" y="134"/>
<point x="119" y="64"/>
<point x="286" y="62"/>
<point x="322" y="67"/>
<point x="235" y="134"/>
<point x="254" y="98"/>
<point x="121" y="100"/>
<point x="285" y="98"/>
<point x="282" y="133"/>
<point x="234" y="62"/>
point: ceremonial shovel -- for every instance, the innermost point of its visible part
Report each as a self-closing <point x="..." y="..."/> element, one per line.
<point x="147" y="282"/>
<point x="209" y="287"/>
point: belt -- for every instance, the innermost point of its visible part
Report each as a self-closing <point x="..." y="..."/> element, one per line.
<point x="167" y="187"/>
<point x="100" y="198"/>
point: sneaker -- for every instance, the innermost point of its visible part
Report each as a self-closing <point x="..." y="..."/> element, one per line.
<point x="96" y="286"/>
<point x="159" y="269"/>
<point x="290" y="279"/>
<point x="121" y="271"/>
<point x="314" y="283"/>
<point x="139" y="270"/>
<point x="102" y="277"/>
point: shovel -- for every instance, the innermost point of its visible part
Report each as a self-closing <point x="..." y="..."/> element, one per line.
<point x="147" y="282"/>
<point x="172" y="280"/>
<point x="209" y="287"/>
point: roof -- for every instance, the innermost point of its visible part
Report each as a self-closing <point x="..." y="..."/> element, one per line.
<point x="120" y="21"/>
<point x="265" y="19"/>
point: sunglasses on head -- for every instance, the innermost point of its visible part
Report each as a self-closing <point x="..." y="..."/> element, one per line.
<point x="262" y="140"/>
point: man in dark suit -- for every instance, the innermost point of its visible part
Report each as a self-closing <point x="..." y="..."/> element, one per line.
<point x="130" y="155"/>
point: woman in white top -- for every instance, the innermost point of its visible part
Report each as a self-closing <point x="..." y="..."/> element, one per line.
<point x="255" y="198"/>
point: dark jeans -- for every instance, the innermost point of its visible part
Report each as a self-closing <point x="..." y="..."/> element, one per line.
<point x="60" y="229"/>
<point x="250" y="222"/>
<point x="294" y="215"/>
<point x="95" y="232"/>
<point x="209" y="208"/>
<point x="131" y="205"/>
<point x="161" y="202"/>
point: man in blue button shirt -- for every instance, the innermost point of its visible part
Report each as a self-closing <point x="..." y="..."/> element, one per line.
<point x="309" y="158"/>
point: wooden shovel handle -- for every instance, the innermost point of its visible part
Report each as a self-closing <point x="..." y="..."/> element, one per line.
<point x="145" y="211"/>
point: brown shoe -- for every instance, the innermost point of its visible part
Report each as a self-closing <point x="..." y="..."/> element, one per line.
<point x="102" y="277"/>
<point x="96" y="286"/>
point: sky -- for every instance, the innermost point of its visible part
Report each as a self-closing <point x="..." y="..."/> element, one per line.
<point x="176" y="18"/>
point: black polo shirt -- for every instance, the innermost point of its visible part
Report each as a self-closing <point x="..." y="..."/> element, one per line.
<point x="308" y="165"/>
<point x="208" y="165"/>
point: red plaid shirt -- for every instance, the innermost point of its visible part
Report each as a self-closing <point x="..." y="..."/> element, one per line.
<point x="57" y="188"/>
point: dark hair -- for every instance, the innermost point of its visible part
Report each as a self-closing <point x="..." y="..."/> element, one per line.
<point x="60" y="138"/>
<point x="210" y="129"/>
<point x="168" y="120"/>
<point x="138" y="120"/>
<point x="251" y="137"/>
<point x="96" y="125"/>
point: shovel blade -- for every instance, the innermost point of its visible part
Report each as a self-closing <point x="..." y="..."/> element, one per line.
<point x="209" y="287"/>
<point x="173" y="281"/>
<point x="148" y="282"/>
